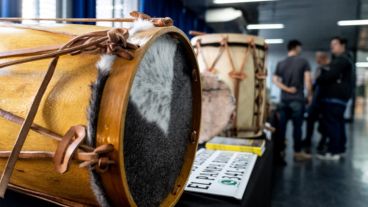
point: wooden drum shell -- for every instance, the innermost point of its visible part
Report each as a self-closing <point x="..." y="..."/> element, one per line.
<point x="65" y="104"/>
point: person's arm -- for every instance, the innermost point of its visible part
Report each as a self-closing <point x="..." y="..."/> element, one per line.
<point x="308" y="85"/>
<point x="277" y="81"/>
<point x="334" y="73"/>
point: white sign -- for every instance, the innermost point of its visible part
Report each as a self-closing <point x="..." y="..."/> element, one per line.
<point x="224" y="173"/>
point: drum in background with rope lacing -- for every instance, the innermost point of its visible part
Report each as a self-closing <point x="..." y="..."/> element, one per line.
<point x="147" y="107"/>
<point x="239" y="61"/>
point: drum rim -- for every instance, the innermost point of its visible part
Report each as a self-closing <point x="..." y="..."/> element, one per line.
<point x="115" y="181"/>
<point x="242" y="40"/>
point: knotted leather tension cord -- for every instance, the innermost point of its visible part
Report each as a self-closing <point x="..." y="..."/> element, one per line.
<point x="112" y="42"/>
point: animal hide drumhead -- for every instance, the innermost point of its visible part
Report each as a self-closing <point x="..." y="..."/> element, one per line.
<point x="158" y="122"/>
<point x="218" y="106"/>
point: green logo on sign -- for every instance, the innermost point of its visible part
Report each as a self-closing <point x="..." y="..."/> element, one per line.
<point x="228" y="182"/>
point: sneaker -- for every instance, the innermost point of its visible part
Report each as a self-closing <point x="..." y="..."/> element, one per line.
<point x="328" y="156"/>
<point x="322" y="147"/>
<point x="302" y="156"/>
<point x="307" y="150"/>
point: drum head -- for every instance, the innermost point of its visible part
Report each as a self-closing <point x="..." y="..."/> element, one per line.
<point x="158" y="122"/>
<point x="218" y="106"/>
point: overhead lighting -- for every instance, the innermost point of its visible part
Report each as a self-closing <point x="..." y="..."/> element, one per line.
<point x="361" y="64"/>
<point x="353" y="22"/>
<point x="265" y="26"/>
<point x="274" y="41"/>
<point x="237" y="1"/>
<point x="222" y="15"/>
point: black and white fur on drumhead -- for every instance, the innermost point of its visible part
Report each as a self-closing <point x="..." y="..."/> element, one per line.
<point x="140" y="25"/>
<point x="103" y="68"/>
<point x="158" y="121"/>
<point x="152" y="89"/>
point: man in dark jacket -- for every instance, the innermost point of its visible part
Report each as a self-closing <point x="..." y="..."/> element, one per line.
<point x="336" y="88"/>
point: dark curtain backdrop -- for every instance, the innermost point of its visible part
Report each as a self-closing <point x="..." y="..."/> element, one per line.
<point x="10" y="8"/>
<point x="184" y="19"/>
<point x="80" y="8"/>
<point x="84" y="9"/>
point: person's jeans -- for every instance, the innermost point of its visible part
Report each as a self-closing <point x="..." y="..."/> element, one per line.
<point x="314" y="112"/>
<point x="313" y="116"/>
<point x="333" y="122"/>
<point x="293" y="110"/>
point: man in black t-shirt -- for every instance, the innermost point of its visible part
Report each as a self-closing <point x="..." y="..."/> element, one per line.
<point x="336" y="88"/>
<point x="291" y="76"/>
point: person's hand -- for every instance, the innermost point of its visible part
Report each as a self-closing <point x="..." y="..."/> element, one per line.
<point x="309" y="99"/>
<point x="291" y="90"/>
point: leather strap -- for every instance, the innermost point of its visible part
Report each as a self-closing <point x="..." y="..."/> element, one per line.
<point x="28" y="51"/>
<point x="260" y="76"/>
<point x="37" y="28"/>
<point x="28" y="154"/>
<point x="5" y="177"/>
<point x="37" y="128"/>
<point x="196" y="33"/>
<point x="210" y="68"/>
<point x="219" y="54"/>
<point x="67" y="147"/>
<point x="238" y="76"/>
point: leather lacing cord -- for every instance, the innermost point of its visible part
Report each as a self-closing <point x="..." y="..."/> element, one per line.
<point x="260" y="76"/>
<point x="210" y="68"/>
<point x="114" y="42"/>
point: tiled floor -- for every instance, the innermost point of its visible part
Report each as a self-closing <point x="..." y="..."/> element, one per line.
<point x="319" y="183"/>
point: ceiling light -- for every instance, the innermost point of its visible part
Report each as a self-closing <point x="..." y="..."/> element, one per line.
<point x="361" y="64"/>
<point x="265" y="26"/>
<point x="237" y="1"/>
<point x="222" y="15"/>
<point x="353" y="22"/>
<point x="274" y="41"/>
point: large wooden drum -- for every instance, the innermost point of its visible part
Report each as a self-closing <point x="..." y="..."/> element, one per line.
<point x="239" y="61"/>
<point x="148" y="108"/>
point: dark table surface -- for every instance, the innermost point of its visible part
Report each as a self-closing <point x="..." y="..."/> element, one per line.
<point x="257" y="193"/>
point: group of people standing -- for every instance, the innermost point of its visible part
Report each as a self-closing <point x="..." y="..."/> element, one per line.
<point x="324" y="97"/>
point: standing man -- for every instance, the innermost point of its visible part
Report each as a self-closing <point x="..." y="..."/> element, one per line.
<point x="336" y="88"/>
<point x="291" y="76"/>
<point x="323" y="61"/>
